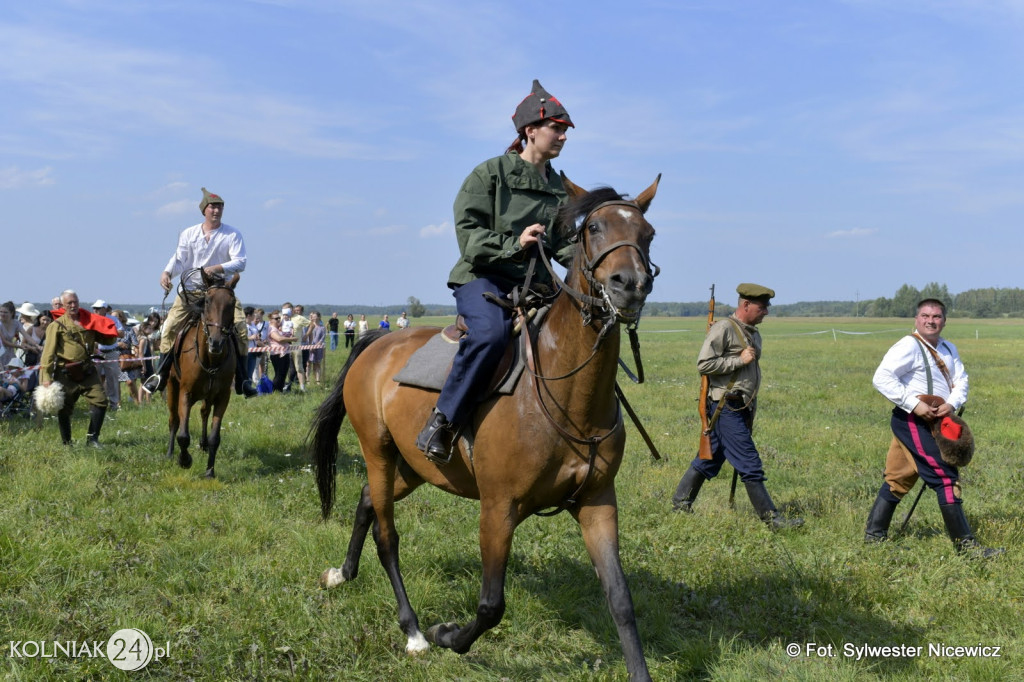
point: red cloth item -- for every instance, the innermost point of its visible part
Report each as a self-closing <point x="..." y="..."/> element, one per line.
<point x="950" y="429"/>
<point x="100" y="324"/>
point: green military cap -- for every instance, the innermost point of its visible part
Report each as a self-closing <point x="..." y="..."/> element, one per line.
<point x="209" y="198"/>
<point x="755" y="292"/>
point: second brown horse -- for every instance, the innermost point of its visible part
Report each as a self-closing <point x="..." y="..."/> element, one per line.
<point x="203" y="370"/>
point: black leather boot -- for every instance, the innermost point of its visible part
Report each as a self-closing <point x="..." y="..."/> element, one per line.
<point x="686" y="491"/>
<point x="960" y="533"/>
<point x="880" y="516"/>
<point x="158" y="379"/>
<point x="243" y="385"/>
<point x="765" y="508"/>
<point x="437" y="438"/>
<point x="64" y="426"/>
<point x="96" y="414"/>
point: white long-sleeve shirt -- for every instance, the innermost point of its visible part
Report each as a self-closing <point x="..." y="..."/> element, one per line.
<point x="225" y="247"/>
<point x="901" y="376"/>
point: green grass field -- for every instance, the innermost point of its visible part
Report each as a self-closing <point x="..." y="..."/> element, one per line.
<point x="224" y="573"/>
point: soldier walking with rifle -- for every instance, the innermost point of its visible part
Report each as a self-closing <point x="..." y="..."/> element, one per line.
<point x="730" y="379"/>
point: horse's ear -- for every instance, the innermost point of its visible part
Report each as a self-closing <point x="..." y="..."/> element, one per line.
<point x="645" y="198"/>
<point x="574" y="191"/>
<point x="233" y="281"/>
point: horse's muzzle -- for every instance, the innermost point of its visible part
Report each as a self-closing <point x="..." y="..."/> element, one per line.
<point x="626" y="293"/>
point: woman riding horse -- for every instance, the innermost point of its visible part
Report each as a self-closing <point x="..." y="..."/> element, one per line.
<point x="556" y="442"/>
<point x="504" y="208"/>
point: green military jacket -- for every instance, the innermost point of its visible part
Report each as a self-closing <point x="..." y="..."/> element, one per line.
<point x="499" y="199"/>
<point x="720" y="357"/>
<point x="66" y="343"/>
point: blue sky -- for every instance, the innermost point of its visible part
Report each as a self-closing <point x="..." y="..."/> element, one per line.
<point x="828" y="149"/>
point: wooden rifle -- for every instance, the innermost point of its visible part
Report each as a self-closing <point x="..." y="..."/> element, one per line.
<point x="704" y="448"/>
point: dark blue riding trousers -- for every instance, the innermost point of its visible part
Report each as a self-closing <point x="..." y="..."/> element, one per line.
<point x="480" y="350"/>
<point x="914" y="433"/>
<point x="731" y="440"/>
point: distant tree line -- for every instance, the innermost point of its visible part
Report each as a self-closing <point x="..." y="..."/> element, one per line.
<point x="984" y="303"/>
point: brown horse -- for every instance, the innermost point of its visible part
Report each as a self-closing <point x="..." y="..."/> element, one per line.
<point x="557" y="442"/>
<point x="204" y="368"/>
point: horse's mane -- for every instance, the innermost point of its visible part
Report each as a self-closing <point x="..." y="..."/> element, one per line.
<point x="569" y="213"/>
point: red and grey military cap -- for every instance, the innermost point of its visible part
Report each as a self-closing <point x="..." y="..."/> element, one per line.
<point x="540" y="105"/>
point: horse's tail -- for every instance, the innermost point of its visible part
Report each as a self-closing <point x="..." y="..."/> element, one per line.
<point x="323" y="432"/>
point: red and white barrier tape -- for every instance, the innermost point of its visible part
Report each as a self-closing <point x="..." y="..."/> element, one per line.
<point x="265" y="349"/>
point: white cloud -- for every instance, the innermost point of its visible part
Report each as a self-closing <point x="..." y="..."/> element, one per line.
<point x="855" y="233"/>
<point x="13" y="177"/>
<point x="177" y="207"/>
<point x="78" y="84"/>
<point x="272" y="203"/>
<point x="441" y="230"/>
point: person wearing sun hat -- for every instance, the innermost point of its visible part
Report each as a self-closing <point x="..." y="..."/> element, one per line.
<point x="219" y="251"/>
<point x="505" y="206"/>
<point x="730" y="359"/>
<point x="31" y="338"/>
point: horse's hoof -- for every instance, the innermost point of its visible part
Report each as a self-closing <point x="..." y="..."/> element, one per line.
<point x="185" y="461"/>
<point x="332" y="577"/>
<point x="417" y="644"/>
<point x="436" y="632"/>
<point x="209" y="474"/>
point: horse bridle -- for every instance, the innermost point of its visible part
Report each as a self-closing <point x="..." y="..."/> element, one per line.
<point x="603" y="304"/>
<point x="205" y="325"/>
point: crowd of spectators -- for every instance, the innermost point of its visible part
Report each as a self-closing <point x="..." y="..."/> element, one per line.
<point x="23" y="333"/>
<point x="285" y="341"/>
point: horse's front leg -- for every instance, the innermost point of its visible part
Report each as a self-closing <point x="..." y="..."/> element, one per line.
<point x="599" y="521"/>
<point x="184" y="410"/>
<point x="173" y="420"/>
<point x="213" y="442"/>
<point x="204" y="413"/>
<point x="497" y="524"/>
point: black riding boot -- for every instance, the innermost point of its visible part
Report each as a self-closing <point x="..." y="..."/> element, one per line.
<point x="96" y="414"/>
<point x="243" y="385"/>
<point x="437" y="438"/>
<point x="880" y="516"/>
<point x="960" y="533"/>
<point x="686" y="491"/>
<point x="765" y="508"/>
<point x="64" y="425"/>
<point x="158" y="379"/>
